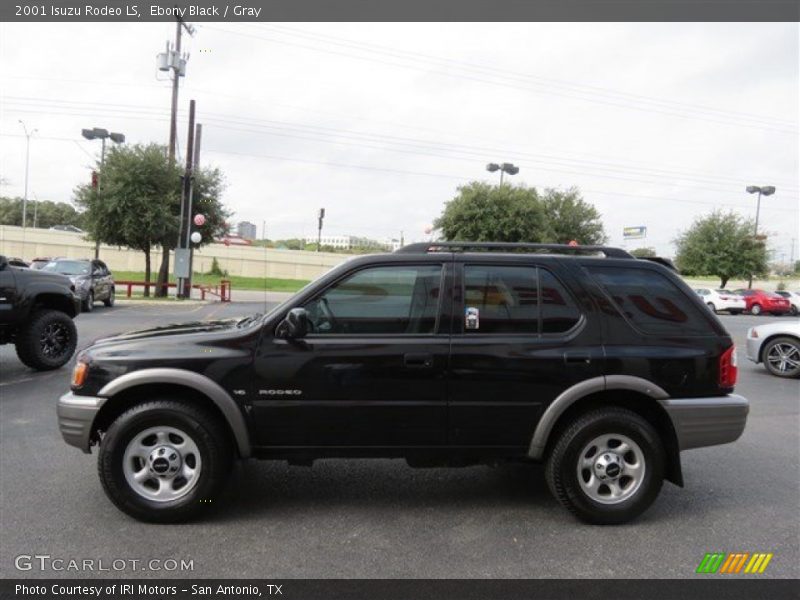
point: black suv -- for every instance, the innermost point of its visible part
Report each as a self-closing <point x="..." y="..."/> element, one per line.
<point x="92" y="279"/>
<point x="36" y="312"/>
<point x="602" y="366"/>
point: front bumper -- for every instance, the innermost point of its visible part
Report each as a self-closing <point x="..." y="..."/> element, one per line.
<point x="700" y="422"/>
<point x="753" y="348"/>
<point x="75" y="417"/>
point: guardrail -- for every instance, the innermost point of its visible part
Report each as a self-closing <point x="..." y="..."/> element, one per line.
<point x="221" y="290"/>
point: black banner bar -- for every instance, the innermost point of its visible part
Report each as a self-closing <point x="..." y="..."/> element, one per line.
<point x="714" y="587"/>
<point x="399" y="10"/>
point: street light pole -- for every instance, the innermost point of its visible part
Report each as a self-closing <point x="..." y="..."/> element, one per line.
<point x="766" y="190"/>
<point x="509" y="168"/>
<point x="27" y="165"/>
<point x="102" y="135"/>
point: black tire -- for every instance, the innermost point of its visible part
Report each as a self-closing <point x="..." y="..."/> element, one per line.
<point x="47" y="341"/>
<point x="562" y="473"/>
<point x="793" y="310"/>
<point x="755" y="310"/>
<point x="204" y="430"/>
<point x="712" y="308"/>
<point x="792" y="347"/>
<point x="109" y="302"/>
<point x="88" y="305"/>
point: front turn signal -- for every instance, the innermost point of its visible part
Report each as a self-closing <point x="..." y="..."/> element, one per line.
<point x="79" y="374"/>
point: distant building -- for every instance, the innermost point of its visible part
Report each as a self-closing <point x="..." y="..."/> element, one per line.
<point x="233" y="239"/>
<point x="247" y="230"/>
<point x="348" y="242"/>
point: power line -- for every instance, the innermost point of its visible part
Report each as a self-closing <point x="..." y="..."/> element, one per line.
<point x="492" y="69"/>
<point x="406" y="145"/>
<point x="504" y="81"/>
<point x="684" y="172"/>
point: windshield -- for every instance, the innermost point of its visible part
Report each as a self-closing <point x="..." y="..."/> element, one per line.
<point x="68" y="267"/>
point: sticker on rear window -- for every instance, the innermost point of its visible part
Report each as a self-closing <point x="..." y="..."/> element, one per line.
<point x="472" y="318"/>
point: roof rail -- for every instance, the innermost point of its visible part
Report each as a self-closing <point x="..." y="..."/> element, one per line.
<point x="426" y="247"/>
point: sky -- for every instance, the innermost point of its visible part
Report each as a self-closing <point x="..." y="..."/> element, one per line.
<point x="656" y="124"/>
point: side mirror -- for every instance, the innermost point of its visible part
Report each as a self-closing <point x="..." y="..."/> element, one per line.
<point x="294" y="325"/>
<point x="3" y="262"/>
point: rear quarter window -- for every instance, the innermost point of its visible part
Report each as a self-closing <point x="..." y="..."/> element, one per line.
<point x="651" y="301"/>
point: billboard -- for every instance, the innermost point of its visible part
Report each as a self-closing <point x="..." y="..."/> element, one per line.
<point x="634" y="233"/>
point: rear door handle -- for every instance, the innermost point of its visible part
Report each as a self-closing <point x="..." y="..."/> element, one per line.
<point x="577" y="357"/>
<point x="418" y="361"/>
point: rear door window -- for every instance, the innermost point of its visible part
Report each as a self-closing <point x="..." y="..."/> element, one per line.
<point x="516" y="299"/>
<point x="652" y="302"/>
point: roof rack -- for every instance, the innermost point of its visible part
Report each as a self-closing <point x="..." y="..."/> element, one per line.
<point x="426" y="247"/>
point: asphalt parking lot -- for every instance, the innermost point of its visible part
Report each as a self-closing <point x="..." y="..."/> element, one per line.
<point x="380" y="518"/>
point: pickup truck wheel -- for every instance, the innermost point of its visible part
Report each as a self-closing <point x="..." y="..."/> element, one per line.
<point x="782" y="357"/>
<point x="110" y="300"/>
<point x="47" y="341"/>
<point x="164" y="461"/>
<point x="607" y="467"/>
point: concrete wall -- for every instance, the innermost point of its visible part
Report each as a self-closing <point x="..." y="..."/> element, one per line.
<point x="246" y="261"/>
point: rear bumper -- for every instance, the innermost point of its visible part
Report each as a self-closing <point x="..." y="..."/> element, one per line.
<point x="75" y="417"/>
<point x="700" y="422"/>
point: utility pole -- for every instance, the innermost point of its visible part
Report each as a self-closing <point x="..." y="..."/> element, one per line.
<point x="175" y="62"/>
<point x="319" y="229"/>
<point x="172" y="60"/>
<point x="198" y="136"/>
<point x="187" y="190"/>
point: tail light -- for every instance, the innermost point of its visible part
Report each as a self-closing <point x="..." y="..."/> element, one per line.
<point x="728" y="368"/>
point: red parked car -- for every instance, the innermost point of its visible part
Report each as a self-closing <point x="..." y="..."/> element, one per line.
<point x="759" y="301"/>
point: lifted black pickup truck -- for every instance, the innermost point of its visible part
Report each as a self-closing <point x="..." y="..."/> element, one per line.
<point x="36" y="312"/>
<point x="602" y="366"/>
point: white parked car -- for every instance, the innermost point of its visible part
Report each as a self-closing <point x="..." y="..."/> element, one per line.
<point x="718" y="300"/>
<point x="794" y="298"/>
<point x="777" y="345"/>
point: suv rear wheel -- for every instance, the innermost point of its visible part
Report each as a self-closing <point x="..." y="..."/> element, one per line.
<point x="164" y="461"/>
<point x="607" y="467"/>
<point x="47" y="341"/>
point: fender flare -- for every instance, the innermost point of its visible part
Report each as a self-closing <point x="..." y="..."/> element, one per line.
<point x="580" y="390"/>
<point x="221" y="399"/>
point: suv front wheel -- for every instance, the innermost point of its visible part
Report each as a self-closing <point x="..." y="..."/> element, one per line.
<point x="607" y="467"/>
<point x="164" y="461"/>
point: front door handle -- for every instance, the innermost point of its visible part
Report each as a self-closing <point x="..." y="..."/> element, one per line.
<point x="418" y="361"/>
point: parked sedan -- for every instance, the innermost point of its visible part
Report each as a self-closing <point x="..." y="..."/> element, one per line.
<point x="718" y="300"/>
<point x="759" y="301"/>
<point x="91" y="278"/>
<point x="777" y="345"/>
<point x="793" y="298"/>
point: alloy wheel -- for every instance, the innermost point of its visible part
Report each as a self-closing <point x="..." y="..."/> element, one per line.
<point x="162" y="463"/>
<point x="611" y="468"/>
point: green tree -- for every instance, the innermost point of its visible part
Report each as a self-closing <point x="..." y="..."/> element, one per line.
<point x="570" y="217"/>
<point x="722" y="245"/>
<point x="45" y="212"/>
<point x="485" y="213"/>
<point x="643" y="252"/>
<point x="138" y="205"/>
